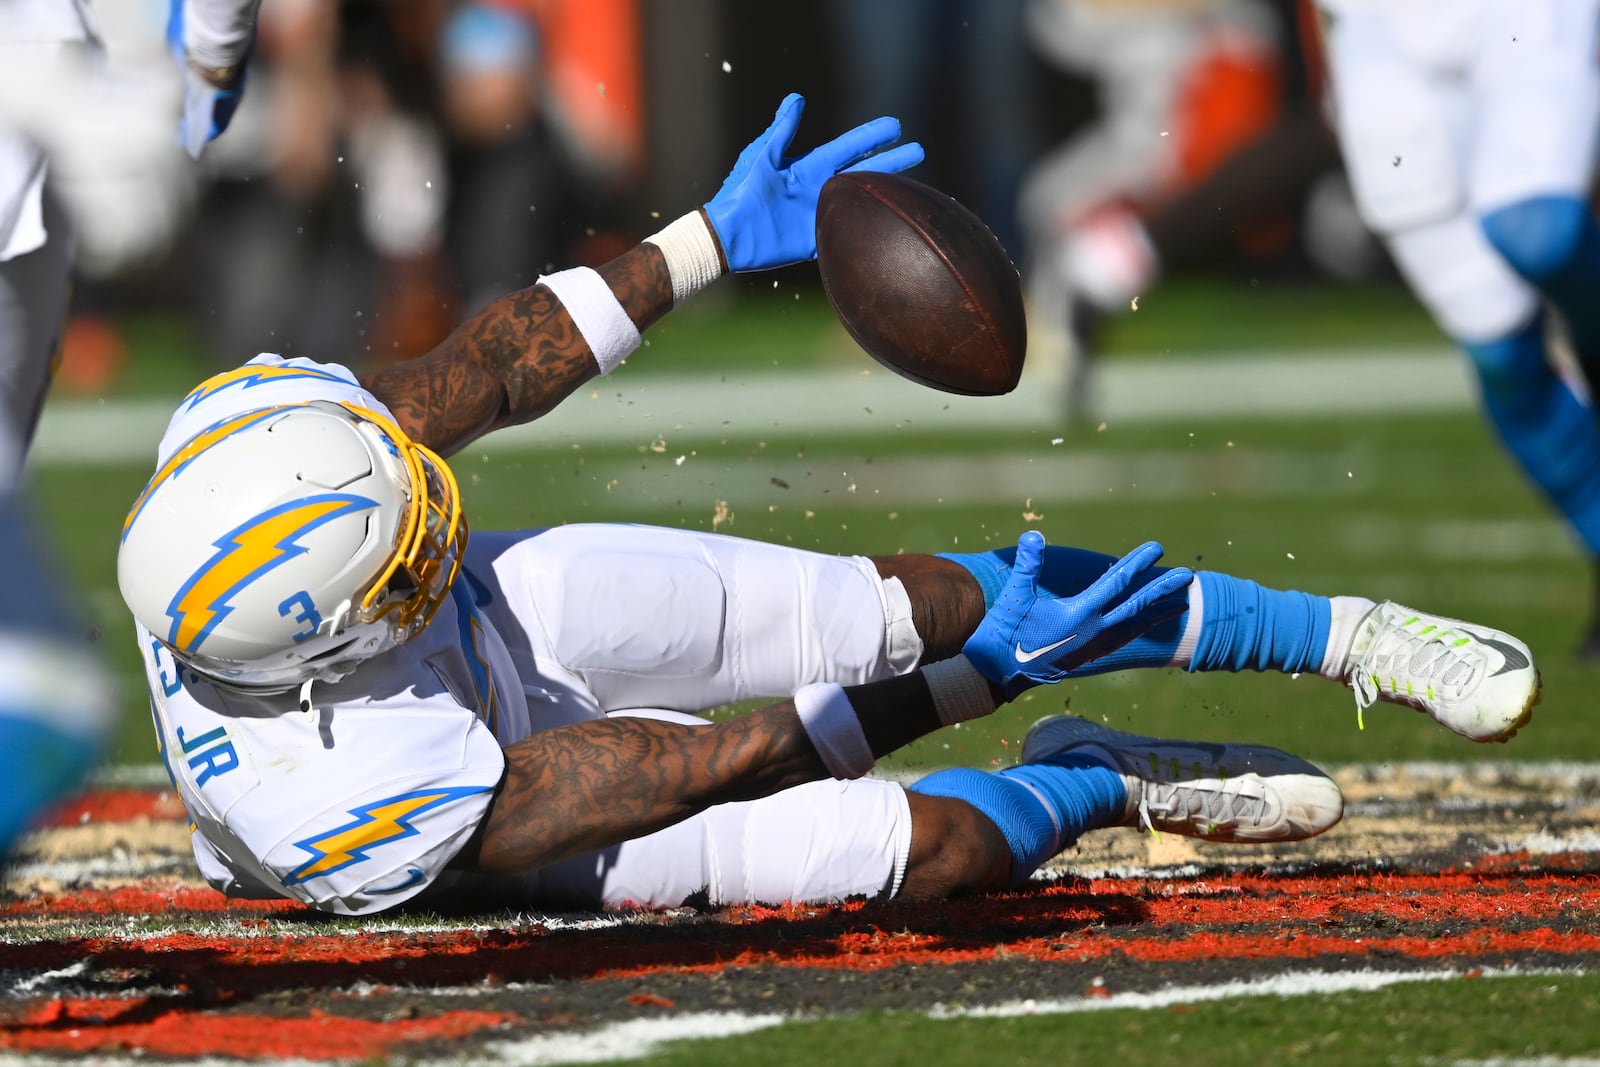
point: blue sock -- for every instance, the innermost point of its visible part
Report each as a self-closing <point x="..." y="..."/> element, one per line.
<point x="1067" y="571"/>
<point x="1246" y="626"/>
<point x="1543" y="424"/>
<point x="1039" y="808"/>
<point x="1554" y="242"/>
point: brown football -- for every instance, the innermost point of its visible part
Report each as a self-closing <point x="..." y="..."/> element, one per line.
<point x="921" y="283"/>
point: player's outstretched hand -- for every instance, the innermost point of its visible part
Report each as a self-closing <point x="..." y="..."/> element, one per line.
<point x="207" y="110"/>
<point x="765" y="214"/>
<point x="209" y="97"/>
<point x="1029" y="638"/>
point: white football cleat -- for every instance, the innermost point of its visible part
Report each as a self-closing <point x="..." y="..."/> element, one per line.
<point x="1218" y="792"/>
<point x="1477" y="681"/>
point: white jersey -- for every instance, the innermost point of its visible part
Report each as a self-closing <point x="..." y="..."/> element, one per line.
<point x="363" y="801"/>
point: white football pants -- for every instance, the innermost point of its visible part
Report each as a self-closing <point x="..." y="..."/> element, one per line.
<point x="665" y="623"/>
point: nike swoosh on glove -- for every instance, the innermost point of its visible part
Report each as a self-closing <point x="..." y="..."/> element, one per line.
<point x="1030" y="638"/>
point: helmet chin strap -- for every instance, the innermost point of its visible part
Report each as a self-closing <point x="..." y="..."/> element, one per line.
<point x="324" y="724"/>
<point x="335" y="624"/>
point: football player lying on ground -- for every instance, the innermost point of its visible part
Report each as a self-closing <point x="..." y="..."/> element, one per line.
<point x="356" y="705"/>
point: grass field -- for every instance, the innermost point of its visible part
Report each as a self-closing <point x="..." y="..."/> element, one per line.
<point x="1421" y="1022"/>
<point x="1416" y="505"/>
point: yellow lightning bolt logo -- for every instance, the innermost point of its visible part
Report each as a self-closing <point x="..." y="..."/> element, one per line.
<point x="379" y="823"/>
<point x="245" y="553"/>
<point x="251" y="375"/>
<point x="192" y="450"/>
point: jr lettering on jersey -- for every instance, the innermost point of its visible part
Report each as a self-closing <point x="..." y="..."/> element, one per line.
<point x="211" y="754"/>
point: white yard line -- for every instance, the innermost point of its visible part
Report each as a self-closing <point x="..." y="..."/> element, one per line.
<point x="872" y="401"/>
<point x="1062" y="474"/>
<point x="639" y="1038"/>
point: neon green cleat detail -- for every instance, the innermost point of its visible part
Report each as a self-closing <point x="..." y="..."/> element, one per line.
<point x="1482" y="683"/>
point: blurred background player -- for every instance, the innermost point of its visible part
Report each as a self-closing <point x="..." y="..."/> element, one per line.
<point x="90" y="171"/>
<point x="325" y="207"/>
<point x="1209" y="143"/>
<point x="396" y="165"/>
<point x="1469" y="130"/>
<point x="91" y="175"/>
<point x="959" y="69"/>
<point x="503" y="155"/>
<point x="55" y="701"/>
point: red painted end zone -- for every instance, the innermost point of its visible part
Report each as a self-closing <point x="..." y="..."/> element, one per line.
<point x="1244" y="915"/>
<point x="147" y="898"/>
<point x="165" y="1029"/>
<point x="115" y="805"/>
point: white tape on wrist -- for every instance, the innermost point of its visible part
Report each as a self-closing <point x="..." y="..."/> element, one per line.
<point x="597" y="313"/>
<point x="959" y="691"/>
<point x="690" y="250"/>
<point x="835" y="729"/>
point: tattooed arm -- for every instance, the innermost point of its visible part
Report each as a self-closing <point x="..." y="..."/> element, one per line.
<point x="579" y="788"/>
<point x="513" y="361"/>
<point x="522" y="355"/>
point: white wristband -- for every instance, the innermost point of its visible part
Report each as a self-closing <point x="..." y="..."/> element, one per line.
<point x="959" y="691"/>
<point x="690" y="250"/>
<point x="834" y="728"/>
<point x="597" y="313"/>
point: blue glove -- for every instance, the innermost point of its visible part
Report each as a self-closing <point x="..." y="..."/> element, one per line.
<point x="765" y="214"/>
<point x="207" y="108"/>
<point x="1027" y="639"/>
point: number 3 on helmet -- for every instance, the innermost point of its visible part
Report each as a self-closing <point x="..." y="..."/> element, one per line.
<point x="290" y="543"/>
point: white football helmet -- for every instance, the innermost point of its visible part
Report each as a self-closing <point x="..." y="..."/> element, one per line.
<point x="290" y="543"/>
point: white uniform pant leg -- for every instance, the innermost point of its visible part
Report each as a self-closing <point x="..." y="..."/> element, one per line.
<point x="1536" y="86"/>
<point x="816" y="843"/>
<point x="1408" y="119"/>
<point x="649" y="617"/>
<point x="1472" y="293"/>
<point x="34" y="288"/>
